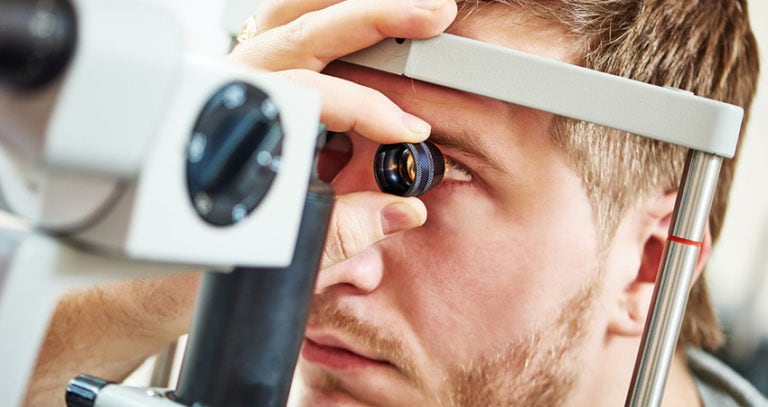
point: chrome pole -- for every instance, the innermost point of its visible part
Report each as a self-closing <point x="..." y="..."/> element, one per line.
<point x="163" y="367"/>
<point x="689" y="221"/>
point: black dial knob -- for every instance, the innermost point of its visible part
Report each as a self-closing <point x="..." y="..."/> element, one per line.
<point x="233" y="154"/>
<point x="37" y="40"/>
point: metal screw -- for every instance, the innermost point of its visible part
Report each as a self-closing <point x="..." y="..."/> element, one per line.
<point x="203" y="203"/>
<point x="275" y="164"/>
<point x="42" y="24"/>
<point x="264" y="158"/>
<point x="269" y="109"/>
<point x="239" y="212"/>
<point x="197" y="147"/>
<point x="234" y="96"/>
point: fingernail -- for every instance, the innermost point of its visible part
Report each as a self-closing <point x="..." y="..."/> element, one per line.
<point x="417" y="126"/>
<point x="428" y="4"/>
<point x="400" y="216"/>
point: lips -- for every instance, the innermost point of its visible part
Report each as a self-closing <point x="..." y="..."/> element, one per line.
<point x="334" y="354"/>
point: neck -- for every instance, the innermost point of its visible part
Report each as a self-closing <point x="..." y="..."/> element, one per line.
<point x="681" y="389"/>
<point x="608" y="386"/>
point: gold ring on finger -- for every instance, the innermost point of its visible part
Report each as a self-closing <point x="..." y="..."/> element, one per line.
<point x="248" y="31"/>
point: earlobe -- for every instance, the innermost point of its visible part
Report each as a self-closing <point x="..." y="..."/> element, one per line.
<point x="637" y="286"/>
<point x="636" y="298"/>
<point x="631" y="312"/>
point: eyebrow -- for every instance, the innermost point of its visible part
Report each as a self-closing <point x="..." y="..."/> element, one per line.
<point x="468" y="144"/>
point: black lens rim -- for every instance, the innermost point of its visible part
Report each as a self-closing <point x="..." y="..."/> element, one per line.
<point x="390" y="168"/>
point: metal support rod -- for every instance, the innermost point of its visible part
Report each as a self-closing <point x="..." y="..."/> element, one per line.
<point x="163" y="366"/>
<point x="681" y="252"/>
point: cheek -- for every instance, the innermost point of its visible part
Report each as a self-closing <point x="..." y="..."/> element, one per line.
<point x="481" y="276"/>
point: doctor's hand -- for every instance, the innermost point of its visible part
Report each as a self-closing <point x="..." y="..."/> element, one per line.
<point x="296" y="39"/>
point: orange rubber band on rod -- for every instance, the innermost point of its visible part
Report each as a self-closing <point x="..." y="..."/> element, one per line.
<point x="684" y="241"/>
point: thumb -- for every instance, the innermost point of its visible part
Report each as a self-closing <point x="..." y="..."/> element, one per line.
<point x="361" y="219"/>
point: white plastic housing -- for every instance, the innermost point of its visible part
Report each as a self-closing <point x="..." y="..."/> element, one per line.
<point x="66" y="147"/>
<point x="155" y="219"/>
<point x="100" y="155"/>
<point x="117" y="89"/>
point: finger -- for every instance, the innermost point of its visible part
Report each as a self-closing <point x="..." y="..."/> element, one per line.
<point x="361" y="219"/>
<point x="274" y="13"/>
<point x="378" y="119"/>
<point x="313" y="40"/>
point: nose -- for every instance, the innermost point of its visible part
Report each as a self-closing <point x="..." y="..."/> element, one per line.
<point x="361" y="274"/>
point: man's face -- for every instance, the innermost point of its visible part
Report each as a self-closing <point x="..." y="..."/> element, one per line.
<point x="490" y="301"/>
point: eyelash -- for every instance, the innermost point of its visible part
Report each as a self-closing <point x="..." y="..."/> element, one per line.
<point x="456" y="172"/>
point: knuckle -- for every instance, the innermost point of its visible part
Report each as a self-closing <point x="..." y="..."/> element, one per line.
<point x="348" y="235"/>
<point x="295" y="39"/>
<point x="335" y="250"/>
<point x="341" y="241"/>
<point x="295" y="32"/>
<point x="374" y="95"/>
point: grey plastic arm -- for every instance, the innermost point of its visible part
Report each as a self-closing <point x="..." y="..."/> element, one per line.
<point x="660" y="113"/>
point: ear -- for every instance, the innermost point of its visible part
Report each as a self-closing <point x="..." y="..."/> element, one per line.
<point x="636" y="298"/>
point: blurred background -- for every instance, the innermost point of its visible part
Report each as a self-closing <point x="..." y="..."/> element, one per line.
<point x="738" y="270"/>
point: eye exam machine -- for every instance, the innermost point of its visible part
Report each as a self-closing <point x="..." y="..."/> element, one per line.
<point x="187" y="161"/>
<point x="131" y="148"/>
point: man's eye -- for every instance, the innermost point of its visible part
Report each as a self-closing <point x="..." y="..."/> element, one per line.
<point x="456" y="171"/>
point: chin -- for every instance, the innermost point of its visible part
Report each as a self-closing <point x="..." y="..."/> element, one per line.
<point x="317" y="386"/>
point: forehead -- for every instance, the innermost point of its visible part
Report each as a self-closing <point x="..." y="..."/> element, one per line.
<point x="513" y="27"/>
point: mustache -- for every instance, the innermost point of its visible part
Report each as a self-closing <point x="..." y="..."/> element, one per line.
<point x="326" y="313"/>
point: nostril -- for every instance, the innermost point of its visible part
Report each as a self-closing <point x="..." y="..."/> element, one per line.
<point x="334" y="155"/>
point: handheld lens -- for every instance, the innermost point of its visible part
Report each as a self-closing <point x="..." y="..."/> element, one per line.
<point x="408" y="169"/>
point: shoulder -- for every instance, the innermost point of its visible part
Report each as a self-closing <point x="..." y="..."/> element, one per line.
<point x="718" y="384"/>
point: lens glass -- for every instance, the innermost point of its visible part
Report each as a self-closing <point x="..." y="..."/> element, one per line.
<point x="410" y="166"/>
